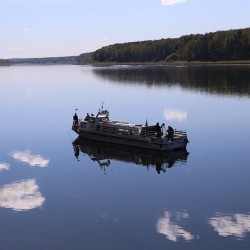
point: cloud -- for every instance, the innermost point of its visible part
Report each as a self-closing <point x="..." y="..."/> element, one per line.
<point x="25" y="29"/>
<point x="237" y="225"/>
<point x="28" y="158"/>
<point x="172" y="2"/>
<point x="167" y="226"/>
<point x="21" y="196"/>
<point x="175" y="115"/>
<point x="4" y="166"/>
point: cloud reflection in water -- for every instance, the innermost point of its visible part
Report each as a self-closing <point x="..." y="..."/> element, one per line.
<point x="167" y="225"/>
<point x="4" y="166"/>
<point x="237" y="225"/>
<point x="175" y="115"/>
<point x="32" y="160"/>
<point x="21" y="196"/>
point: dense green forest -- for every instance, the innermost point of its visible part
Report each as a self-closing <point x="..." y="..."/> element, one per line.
<point x="215" y="46"/>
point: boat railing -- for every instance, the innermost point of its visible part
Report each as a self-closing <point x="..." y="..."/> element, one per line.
<point x="180" y="132"/>
<point x="150" y="133"/>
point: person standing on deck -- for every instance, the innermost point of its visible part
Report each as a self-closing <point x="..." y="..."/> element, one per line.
<point x="158" y="129"/>
<point x="75" y="119"/>
<point x="170" y="133"/>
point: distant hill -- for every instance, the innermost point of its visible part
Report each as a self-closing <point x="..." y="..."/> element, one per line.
<point x="45" y="60"/>
<point x="215" y="46"/>
<point x="4" y="62"/>
<point x="84" y="57"/>
<point x="51" y="60"/>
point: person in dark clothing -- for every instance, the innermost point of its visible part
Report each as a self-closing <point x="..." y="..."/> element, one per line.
<point x="87" y="117"/>
<point x="75" y="119"/>
<point x="170" y="133"/>
<point x="158" y="129"/>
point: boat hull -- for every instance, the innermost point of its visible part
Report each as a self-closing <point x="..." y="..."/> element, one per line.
<point x="155" y="144"/>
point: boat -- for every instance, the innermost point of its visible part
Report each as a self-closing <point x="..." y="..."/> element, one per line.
<point x="100" y="127"/>
<point x="103" y="153"/>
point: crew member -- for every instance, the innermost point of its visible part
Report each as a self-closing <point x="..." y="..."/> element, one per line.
<point x="75" y="119"/>
<point x="170" y="133"/>
<point x="158" y="129"/>
<point x="87" y="117"/>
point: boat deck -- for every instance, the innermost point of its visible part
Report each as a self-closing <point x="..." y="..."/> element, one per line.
<point x="119" y="123"/>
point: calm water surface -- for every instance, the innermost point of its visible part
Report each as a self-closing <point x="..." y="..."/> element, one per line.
<point x="117" y="198"/>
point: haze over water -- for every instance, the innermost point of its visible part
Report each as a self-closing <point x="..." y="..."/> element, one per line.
<point x="114" y="198"/>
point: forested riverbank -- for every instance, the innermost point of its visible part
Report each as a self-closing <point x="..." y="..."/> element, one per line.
<point x="221" y="46"/>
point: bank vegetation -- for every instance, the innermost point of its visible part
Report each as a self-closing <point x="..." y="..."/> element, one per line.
<point x="231" y="45"/>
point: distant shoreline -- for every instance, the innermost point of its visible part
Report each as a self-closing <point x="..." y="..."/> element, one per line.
<point x="175" y="63"/>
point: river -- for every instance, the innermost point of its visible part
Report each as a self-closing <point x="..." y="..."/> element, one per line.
<point x="116" y="198"/>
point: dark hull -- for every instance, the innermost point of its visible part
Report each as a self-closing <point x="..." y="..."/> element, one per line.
<point x="155" y="144"/>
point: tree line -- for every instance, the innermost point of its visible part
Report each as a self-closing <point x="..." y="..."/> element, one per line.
<point x="215" y="46"/>
<point x="4" y="62"/>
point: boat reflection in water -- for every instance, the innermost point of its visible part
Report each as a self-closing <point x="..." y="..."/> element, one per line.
<point x="103" y="153"/>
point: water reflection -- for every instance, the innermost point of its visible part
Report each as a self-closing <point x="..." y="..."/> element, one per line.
<point x="175" y="115"/>
<point x="4" y="166"/>
<point x="237" y="225"/>
<point x="168" y="225"/>
<point x="20" y="196"/>
<point x="103" y="153"/>
<point x="28" y="158"/>
<point x="223" y="79"/>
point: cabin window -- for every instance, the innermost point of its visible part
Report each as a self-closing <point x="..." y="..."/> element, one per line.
<point x="83" y="125"/>
<point x="120" y="131"/>
<point x="112" y="130"/>
<point x="125" y="132"/>
<point x="92" y="119"/>
<point x="135" y="131"/>
<point x="105" y="129"/>
<point x="98" y="128"/>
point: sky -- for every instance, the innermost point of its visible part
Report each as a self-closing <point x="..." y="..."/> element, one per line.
<point x="45" y="28"/>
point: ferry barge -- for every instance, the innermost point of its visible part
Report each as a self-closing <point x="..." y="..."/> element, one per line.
<point x="101" y="128"/>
